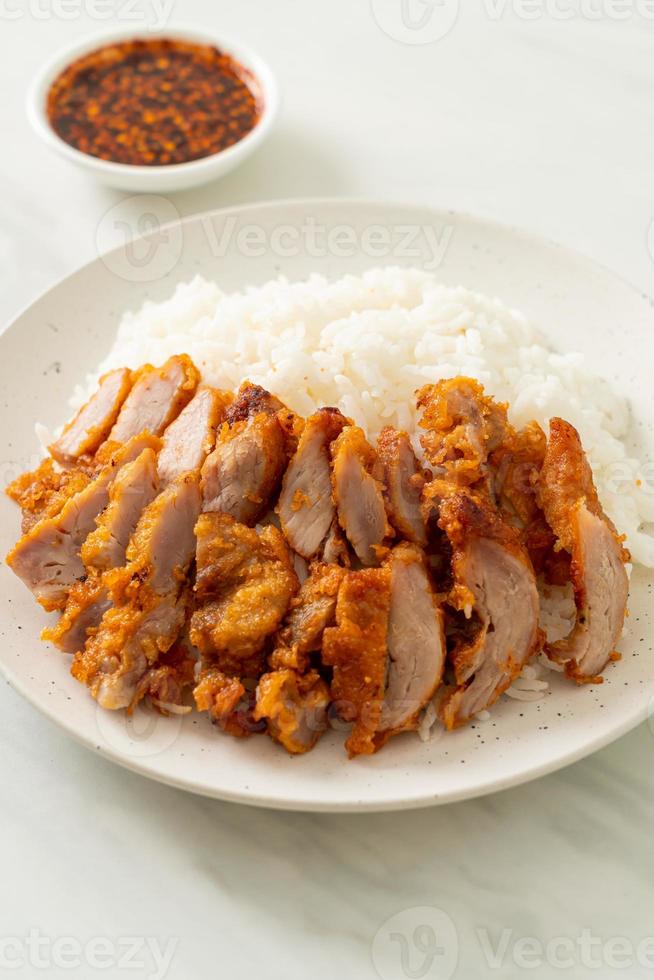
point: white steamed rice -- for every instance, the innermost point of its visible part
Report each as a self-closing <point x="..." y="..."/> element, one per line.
<point x="366" y="343"/>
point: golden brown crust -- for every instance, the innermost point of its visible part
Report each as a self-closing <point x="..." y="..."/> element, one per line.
<point x="294" y="707"/>
<point x="463" y="426"/>
<point x="566" y="479"/>
<point x="245" y="582"/>
<point x="463" y="516"/>
<point x="252" y="401"/>
<point x="43" y="492"/>
<point x="310" y="612"/>
<point x="166" y="683"/>
<point x="356" y="649"/>
<point x="227" y="703"/>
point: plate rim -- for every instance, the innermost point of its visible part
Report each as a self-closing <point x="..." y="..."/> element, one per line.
<point x="337" y="201"/>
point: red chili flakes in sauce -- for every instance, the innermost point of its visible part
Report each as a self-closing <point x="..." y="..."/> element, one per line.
<point x="153" y="102"/>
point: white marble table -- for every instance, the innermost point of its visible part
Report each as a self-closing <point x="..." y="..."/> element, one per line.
<point x="535" y="120"/>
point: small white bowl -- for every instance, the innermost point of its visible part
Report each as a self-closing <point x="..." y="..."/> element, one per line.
<point x="166" y="178"/>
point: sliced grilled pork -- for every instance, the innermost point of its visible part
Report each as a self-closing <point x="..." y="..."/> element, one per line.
<point x="245" y="581"/>
<point x="404" y="480"/>
<point x="358" y="491"/>
<point x="572" y="508"/>
<point x="149" y="598"/>
<point x="92" y="424"/>
<point x="133" y="489"/>
<point x="47" y="558"/>
<point x="493" y="578"/>
<point x="242" y="474"/>
<point x="306" y="509"/>
<point x="294" y="707"/>
<point x="190" y="438"/>
<point x="157" y="397"/>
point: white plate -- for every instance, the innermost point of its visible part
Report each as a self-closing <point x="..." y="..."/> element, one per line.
<point x="51" y="346"/>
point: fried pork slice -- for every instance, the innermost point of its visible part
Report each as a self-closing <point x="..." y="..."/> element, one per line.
<point x="157" y="397"/>
<point x="47" y="559"/>
<point x="358" y="491"/>
<point x="494" y="578"/>
<point x="190" y="438"/>
<point x="463" y="427"/>
<point x="227" y="701"/>
<point x="357" y="650"/>
<point x="92" y="424"/>
<point x="483" y="451"/>
<point x="387" y="650"/>
<point x="244" y="583"/>
<point x="166" y="683"/>
<point x="572" y="508"/>
<point x="416" y="643"/>
<point x="42" y="492"/>
<point x="291" y="698"/>
<point x="306" y="509"/>
<point x="149" y="597"/>
<point x="242" y="474"/>
<point x="334" y="547"/>
<point x="294" y="707"/>
<point x="87" y="603"/>
<point x="135" y="486"/>
<point x="311" y="611"/>
<point x="404" y="480"/>
<point x="516" y="467"/>
<point x="105" y="548"/>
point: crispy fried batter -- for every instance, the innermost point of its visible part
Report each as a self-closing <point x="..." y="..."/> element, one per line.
<point x="245" y="582"/>
<point x="229" y="704"/>
<point x="567" y="478"/>
<point x="166" y="683"/>
<point x="44" y="491"/>
<point x="463" y="426"/>
<point x="294" y="707"/>
<point x="357" y="650"/>
<point x="311" y="611"/>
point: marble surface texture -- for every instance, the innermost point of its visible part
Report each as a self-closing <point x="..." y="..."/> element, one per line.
<point x="534" y="114"/>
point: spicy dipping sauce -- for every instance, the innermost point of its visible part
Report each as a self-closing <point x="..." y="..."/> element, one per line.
<point x="153" y="102"/>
